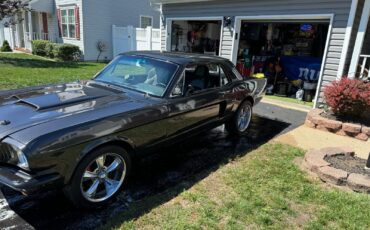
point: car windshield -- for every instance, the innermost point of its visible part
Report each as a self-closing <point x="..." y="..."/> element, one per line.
<point x="139" y="73"/>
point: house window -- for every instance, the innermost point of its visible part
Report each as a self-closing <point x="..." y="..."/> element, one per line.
<point x="146" y="21"/>
<point x="68" y="23"/>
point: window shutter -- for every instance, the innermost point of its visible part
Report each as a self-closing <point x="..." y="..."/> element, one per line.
<point x="77" y="23"/>
<point x="59" y="22"/>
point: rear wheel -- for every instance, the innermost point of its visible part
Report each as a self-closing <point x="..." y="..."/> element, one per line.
<point x="240" y="122"/>
<point x="99" y="177"/>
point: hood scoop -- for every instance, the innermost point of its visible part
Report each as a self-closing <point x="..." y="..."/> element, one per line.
<point x="49" y="101"/>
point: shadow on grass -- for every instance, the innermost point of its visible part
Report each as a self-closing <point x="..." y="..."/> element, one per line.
<point x="41" y="63"/>
<point x="155" y="180"/>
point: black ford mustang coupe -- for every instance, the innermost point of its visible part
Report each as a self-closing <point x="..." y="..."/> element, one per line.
<point x="83" y="136"/>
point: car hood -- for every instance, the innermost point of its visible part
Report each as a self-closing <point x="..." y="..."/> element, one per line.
<point x="20" y="109"/>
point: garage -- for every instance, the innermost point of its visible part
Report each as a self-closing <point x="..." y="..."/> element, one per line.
<point x="289" y="53"/>
<point x="195" y="36"/>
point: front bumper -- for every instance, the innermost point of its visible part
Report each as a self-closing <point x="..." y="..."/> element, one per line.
<point x="26" y="183"/>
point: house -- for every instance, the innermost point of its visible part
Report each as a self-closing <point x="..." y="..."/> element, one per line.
<point x="318" y="40"/>
<point x="78" y="22"/>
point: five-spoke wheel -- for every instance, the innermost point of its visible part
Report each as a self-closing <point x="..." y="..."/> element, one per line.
<point x="103" y="177"/>
<point x="99" y="177"/>
<point x="240" y="122"/>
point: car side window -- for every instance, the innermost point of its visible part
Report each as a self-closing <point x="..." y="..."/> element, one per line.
<point x="178" y="89"/>
<point x="223" y="77"/>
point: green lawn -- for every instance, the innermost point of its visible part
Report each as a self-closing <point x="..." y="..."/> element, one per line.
<point x="264" y="189"/>
<point x="21" y="70"/>
<point x="291" y="100"/>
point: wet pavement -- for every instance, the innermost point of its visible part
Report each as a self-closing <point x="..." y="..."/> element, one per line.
<point x="179" y="168"/>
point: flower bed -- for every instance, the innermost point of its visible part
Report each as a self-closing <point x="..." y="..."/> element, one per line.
<point x="338" y="173"/>
<point x="315" y="119"/>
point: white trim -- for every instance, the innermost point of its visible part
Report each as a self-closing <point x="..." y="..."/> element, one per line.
<point x="67" y="9"/>
<point x="146" y="16"/>
<point x="347" y="38"/>
<point x="170" y="20"/>
<point x="359" y="39"/>
<point x="319" y="84"/>
<point x="329" y="17"/>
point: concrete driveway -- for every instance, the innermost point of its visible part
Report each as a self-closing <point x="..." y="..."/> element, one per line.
<point x="174" y="168"/>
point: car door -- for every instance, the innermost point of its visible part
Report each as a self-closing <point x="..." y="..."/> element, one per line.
<point x="193" y="108"/>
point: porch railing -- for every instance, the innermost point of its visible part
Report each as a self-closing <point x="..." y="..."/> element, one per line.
<point x="364" y="67"/>
<point x="38" y="36"/>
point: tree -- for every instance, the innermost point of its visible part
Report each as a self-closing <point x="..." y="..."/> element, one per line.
<point x="10" y="8"/>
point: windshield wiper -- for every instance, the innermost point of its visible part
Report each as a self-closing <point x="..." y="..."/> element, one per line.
<point x="111" y="85"/>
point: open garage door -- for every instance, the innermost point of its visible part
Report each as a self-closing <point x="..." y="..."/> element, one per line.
<point x="289" y="53"/>
<point x="195" y="36"/>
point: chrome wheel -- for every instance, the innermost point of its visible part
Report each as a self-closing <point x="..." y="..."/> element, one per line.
<point x="244" y="117"/>
<point x="103" y="177"/>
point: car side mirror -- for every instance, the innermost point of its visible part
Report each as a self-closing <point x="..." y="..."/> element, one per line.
<point x="190" y="89"/>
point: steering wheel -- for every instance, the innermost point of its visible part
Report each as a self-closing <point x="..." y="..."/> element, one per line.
<point x="161" y="85"/>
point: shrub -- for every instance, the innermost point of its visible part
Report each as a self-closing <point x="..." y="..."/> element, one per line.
<point x="5" y="47"/>
<point x="39" y="47"/>
<point x="49" y="49"/>
<point x="348" y="97"/>
<point x="67" y="52"/>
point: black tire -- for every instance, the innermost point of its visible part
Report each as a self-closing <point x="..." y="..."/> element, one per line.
<point x="74" y="192"/>
<point x="231" y="126"/>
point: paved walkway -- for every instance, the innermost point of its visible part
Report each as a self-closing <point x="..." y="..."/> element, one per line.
<point x="308" y="138"/>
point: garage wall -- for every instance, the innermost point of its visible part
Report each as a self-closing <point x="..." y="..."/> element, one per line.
<point x="340" y="9"/>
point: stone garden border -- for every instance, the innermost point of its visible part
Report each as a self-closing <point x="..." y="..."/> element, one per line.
<point x="315" y="120"/>
<point x="314" y="161"/>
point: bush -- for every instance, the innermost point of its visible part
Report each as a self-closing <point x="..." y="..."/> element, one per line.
<point x="49" y="49"/>
<point x="5" y="47"/>
<point x="348" y="97"/>
<point x="66" y="52"/>
<point x="39" y="47"/>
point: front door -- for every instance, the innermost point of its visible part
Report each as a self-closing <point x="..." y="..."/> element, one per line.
<point x="45" y="35"/>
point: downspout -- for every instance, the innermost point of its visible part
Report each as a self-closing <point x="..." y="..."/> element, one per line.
<point x="347" y="38"/>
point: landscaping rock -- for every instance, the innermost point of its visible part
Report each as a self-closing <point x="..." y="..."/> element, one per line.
<point x="318" y="120"/>
<point x="332" y="124"/>
<point x="341" y="132"/>
<point x="351" y="128"/>
<point x="314" y="113"/>
<point x="365" y="130"/>
<point x="332" y="151"/>
<point x="332" y="175"/>
<point x="362" y="137"/>
<point x="310" y="124"/>
<point x="314" y="160"/>
<point x="359" y="182"/>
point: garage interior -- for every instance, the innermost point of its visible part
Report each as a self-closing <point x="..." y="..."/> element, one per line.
<point x="196" y="36"/>
<point x="289" y="54"/>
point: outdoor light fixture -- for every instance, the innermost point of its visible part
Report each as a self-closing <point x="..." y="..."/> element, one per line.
<point x="228" y="20"/>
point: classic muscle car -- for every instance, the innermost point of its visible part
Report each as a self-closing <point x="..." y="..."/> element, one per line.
<point x="83" y="136"/>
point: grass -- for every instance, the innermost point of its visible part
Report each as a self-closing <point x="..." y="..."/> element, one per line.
<point x="291" y="100"/>
<point x="264" y="189"/>
<point x="22" y="70"/>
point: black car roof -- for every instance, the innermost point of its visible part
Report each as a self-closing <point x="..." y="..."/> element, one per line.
<point x="176" y="57"/>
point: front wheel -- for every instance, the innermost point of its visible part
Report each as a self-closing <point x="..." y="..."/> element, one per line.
<point x="99" y="177"/>
<point x="240" y="122"/>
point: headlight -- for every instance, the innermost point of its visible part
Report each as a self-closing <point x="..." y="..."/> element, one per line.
<point x="11" y="153"/>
